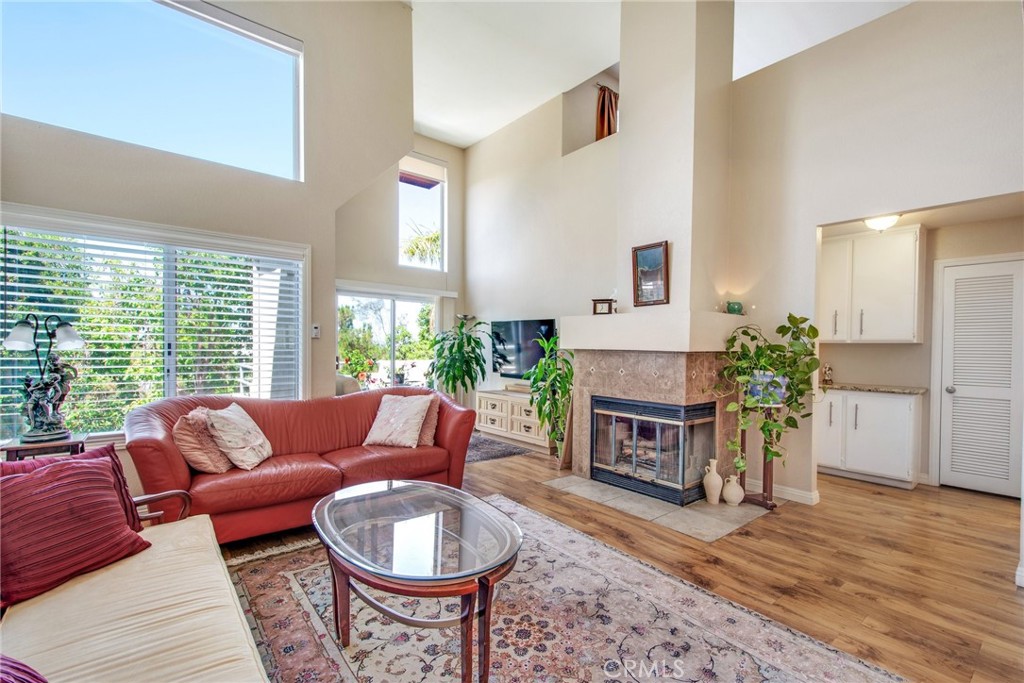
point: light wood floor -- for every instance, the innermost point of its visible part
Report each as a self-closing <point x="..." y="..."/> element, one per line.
<point x="920" y="582"/>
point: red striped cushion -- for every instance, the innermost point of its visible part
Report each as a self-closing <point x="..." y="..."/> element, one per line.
<point x="57" y="522"/>
<point x="25" y="466"/>
<point x="13" y="671"/>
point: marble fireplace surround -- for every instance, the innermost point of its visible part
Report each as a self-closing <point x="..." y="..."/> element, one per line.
<point x="662" y="377"/>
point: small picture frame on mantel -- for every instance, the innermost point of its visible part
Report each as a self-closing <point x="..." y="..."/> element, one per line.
<point x="604" y="306"/>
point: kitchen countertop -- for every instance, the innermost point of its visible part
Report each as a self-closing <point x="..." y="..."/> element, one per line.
<point x="877" y="388"/>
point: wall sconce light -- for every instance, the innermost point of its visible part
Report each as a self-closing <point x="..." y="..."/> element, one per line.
<point x="44" y="396"/>
<point x="881" y="223"/>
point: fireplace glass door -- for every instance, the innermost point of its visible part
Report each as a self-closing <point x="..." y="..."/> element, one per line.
<point x="652" y="455"/>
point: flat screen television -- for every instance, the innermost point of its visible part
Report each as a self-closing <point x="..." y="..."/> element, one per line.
<point x="514" y="347"/>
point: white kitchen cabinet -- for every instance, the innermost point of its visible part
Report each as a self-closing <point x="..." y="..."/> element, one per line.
<point x="869" y="287"/>
<point x="834" y="290"/>
<point x="827" y="425"/>
<point x="873" y="434"/>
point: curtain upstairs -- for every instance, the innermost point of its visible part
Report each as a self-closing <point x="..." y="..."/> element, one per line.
<point x="607" y="112"/>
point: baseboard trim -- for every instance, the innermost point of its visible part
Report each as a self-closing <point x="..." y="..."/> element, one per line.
<point x="787" y="492"/>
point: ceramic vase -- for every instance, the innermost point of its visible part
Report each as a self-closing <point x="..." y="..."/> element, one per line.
<point x="712" y="482"/>
<point x="732" y="492"/>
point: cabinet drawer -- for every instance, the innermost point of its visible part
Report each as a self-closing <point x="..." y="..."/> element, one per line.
<point x="490" y="404"/>
<point x="528" y="428"/>
<point x="524" y="410"/>
<point x="492" y="421"/>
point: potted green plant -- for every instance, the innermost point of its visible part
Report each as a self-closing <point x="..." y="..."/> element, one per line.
<point x="551" y="389"/>
<point x="773" y="380"/>
<point x="459" y="361"/>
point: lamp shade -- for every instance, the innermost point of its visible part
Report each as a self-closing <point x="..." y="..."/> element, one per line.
<point x="22" y="337"/>
<point x="65" y="337"/>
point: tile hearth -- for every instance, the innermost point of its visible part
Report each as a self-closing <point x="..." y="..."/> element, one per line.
<point x="700" y="520"/>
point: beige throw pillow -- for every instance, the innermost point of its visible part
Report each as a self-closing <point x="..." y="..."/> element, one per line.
<point x="398" y="421"/>
<point x="238" y="436"/>
<point x="192" y="437"/>
<point x="430" y="423"/>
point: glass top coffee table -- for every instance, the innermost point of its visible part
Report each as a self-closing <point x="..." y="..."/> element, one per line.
<point x="418" y="539"/>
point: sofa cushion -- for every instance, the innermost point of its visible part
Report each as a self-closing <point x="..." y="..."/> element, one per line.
<point x="398" y="422"/>
<point x="123" y="494"/>
<point x="57" y="522"/>
<point x="238" y="436"/>
<point x="193" y="438"/>
<point x="279" y="479"/>
<point x="361" y="464"/>
<point x="168" y="614"/>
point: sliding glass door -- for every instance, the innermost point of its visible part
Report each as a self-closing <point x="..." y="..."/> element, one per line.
<point x="384" y="340"/>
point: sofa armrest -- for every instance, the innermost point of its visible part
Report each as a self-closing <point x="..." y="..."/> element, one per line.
<point x="454" y="428"/>
<point x="186" y="503"/>
<point x="159" y="463"/>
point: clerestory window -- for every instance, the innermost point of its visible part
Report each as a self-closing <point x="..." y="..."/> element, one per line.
<point x="422" y="209"/>
<point x="184" y="77"/>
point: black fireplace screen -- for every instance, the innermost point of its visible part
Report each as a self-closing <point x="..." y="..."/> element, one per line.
<point x="656" y="449"/>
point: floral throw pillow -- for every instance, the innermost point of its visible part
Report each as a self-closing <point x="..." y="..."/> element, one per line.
<point x="192" y="436"/>
<point x="238" y="436"/>
<point x="398" y="421"/>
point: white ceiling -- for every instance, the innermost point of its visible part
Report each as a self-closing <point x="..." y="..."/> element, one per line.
<point x="478" y="66"/>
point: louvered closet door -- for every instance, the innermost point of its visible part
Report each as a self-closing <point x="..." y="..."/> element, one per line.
<point x="982" y="388"/>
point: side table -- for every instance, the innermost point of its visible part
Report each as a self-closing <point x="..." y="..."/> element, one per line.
<point x="72" y="445"/>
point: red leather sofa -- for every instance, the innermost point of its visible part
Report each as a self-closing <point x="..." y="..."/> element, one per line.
<point x="317" y="449"/>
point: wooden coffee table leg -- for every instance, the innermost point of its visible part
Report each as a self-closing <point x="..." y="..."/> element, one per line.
<point x="466" y="626"/>
<point x="484" y="628"/>
<point x="342" y="603"/>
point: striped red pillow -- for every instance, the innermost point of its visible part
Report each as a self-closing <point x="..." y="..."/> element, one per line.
<point x="13" y="671"/>
<point x="130" y="511"/>
<point x="57" y="522"/>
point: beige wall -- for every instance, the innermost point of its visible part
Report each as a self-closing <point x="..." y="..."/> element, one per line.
<point x="910" y="364"/>
<point x="657" y="76"/>
<point x="919" y="108"/>
<point x="367" y="228"/>
<point x="355" y="128"/>
<point x="540" y="227"/>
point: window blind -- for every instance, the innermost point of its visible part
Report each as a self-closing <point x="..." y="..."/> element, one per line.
<point x="158" y="320"/>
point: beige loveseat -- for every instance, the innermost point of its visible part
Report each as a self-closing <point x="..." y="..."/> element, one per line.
<point x="168" y="613"/>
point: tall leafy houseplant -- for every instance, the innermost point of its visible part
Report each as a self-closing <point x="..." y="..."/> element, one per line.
<point x="459" y="360"/>
<point x="551" y="389"/>
<point x="773" y="379"/>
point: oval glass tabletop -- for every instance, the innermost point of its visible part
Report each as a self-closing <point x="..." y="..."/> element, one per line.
<point x="416" y="530"/>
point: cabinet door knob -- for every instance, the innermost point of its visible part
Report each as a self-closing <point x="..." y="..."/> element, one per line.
<point x="862" y="322"/>
<point x="951" y="389"/>
<point x="856" y="414"/>
<point x="835" y="322"/>
<point x="830" y="413"/>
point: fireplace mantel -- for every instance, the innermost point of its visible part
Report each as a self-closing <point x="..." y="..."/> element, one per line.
<point x="658" y="328"/>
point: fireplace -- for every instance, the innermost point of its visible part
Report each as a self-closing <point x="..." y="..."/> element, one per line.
<point x="656" y="449"/>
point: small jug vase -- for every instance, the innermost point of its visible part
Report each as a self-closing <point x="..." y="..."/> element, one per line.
<point x="732" y="492"/>
<point x="712" y="482"/>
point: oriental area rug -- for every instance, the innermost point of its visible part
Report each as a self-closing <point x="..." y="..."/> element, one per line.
<point x="573" y="609"/>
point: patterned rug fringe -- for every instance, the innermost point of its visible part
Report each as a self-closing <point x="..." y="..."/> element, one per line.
<point x="271" y="552"/>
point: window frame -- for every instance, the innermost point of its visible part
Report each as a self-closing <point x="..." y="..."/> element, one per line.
<point x="268" y="37"/>
<point x="57" y="220"/>
<point x="443" y="182"/>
